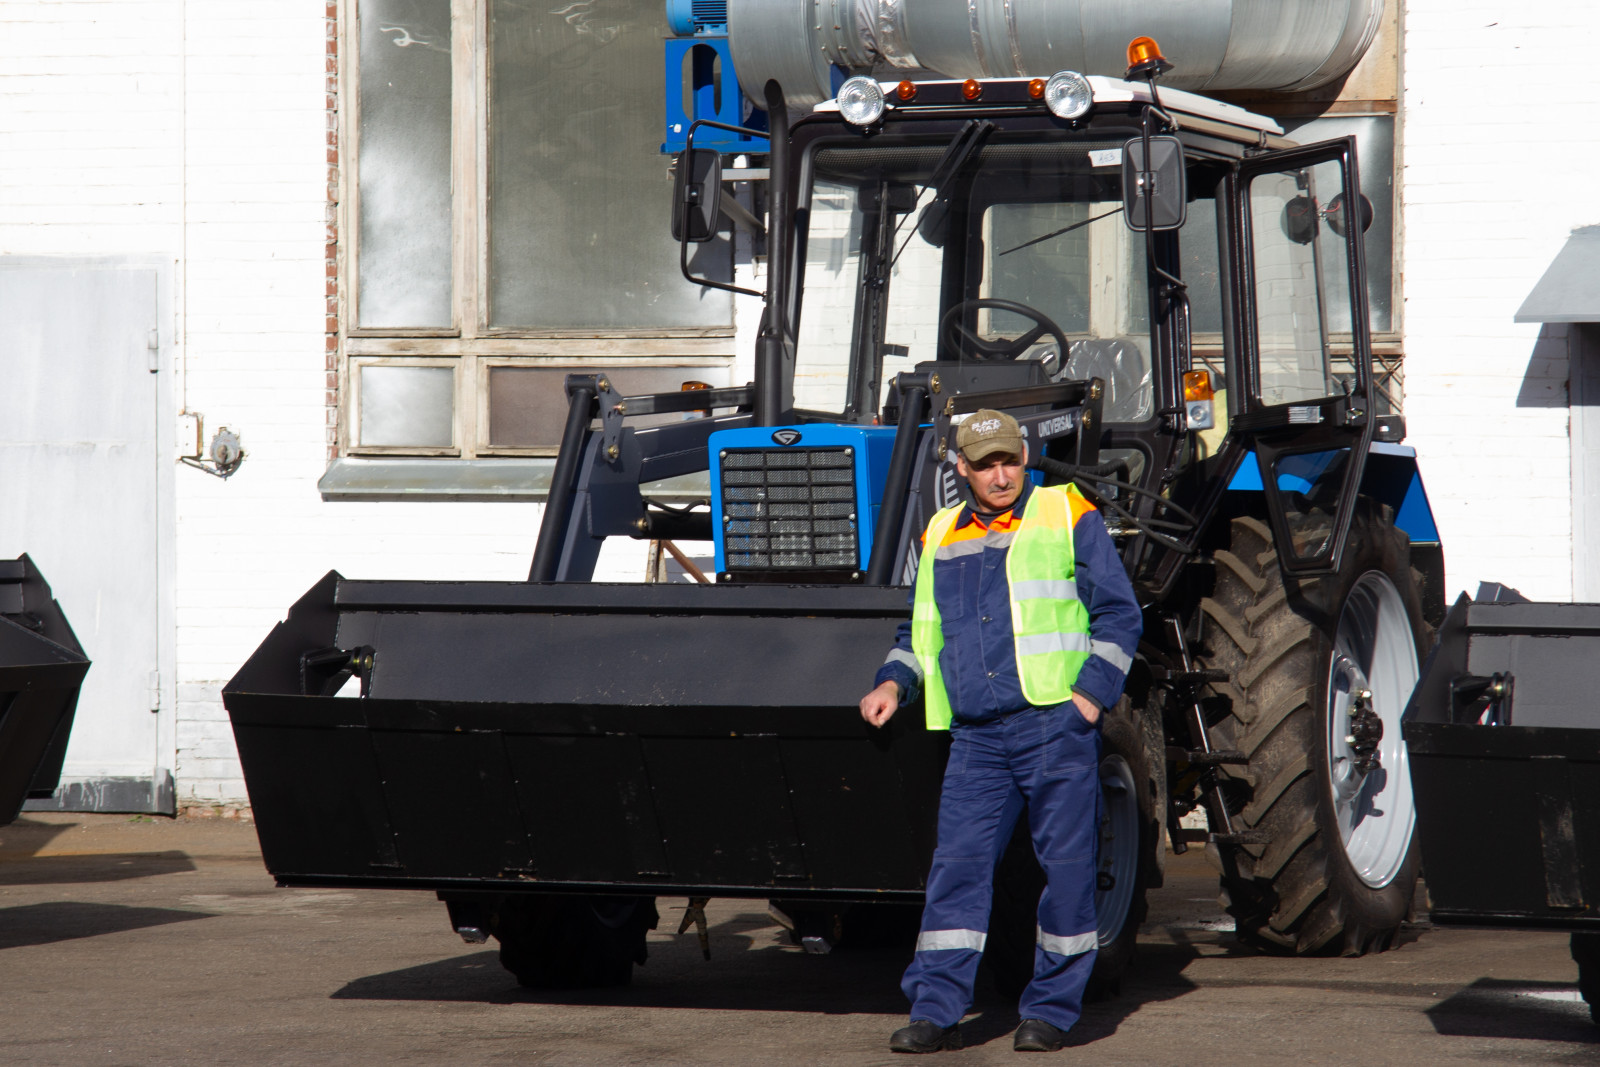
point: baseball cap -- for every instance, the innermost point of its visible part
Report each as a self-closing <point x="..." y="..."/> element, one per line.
<point x="986" y="432"/>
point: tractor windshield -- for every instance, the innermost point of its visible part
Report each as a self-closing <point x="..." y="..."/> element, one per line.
<point x="897" y="272"/>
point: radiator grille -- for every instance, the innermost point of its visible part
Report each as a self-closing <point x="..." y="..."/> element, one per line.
<point x="790" y="509"/>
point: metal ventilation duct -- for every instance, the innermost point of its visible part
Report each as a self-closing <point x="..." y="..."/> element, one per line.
<point x="1282" y="45"/>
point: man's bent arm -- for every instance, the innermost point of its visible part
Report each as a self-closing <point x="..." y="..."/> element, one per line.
<point x="1115" y="621"/>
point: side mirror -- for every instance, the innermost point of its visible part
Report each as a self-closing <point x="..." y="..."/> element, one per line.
<point x="1300" y="220"/>
<point x="696" y="195"/>
<point x="1335" y="214"/>
<point x="1155" y="193"/>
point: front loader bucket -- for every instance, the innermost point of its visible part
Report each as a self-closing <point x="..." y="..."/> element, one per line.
<point x="581" y="737"/>
<point x="41" y="669"/>
<point x="1504" y="739"/>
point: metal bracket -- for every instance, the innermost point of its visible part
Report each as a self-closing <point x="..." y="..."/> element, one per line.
<point x="695" y="915"/>
<point x="612" y="409"/>
<point x="1477" y="699"/>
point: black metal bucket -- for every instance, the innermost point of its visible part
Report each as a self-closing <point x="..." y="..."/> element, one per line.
<point x="42" y="667"/>
<point x="1504" y="739"/>
<point x="581" y="737"/>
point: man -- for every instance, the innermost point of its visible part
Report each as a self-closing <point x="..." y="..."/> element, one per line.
<point x="1023" y="627"/>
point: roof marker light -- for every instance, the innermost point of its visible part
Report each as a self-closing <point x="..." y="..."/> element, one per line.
<point x="1067" y="95"/>
<point x="906" y="91"/>
<point x="861" y="101"/>
<point x="1145" y="59"/>
<point x="1036" y="89"/>
<point x="971" y="89"/>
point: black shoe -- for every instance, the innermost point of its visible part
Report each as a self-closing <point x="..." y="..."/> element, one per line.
<point x="923" y="1036"/>
<point x="1036" y="1035"/>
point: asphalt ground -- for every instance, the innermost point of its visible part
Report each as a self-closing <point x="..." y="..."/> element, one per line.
<point x="156" y="941"/>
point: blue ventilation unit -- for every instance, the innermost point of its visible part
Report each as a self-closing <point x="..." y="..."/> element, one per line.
<point x="701" y="83"/>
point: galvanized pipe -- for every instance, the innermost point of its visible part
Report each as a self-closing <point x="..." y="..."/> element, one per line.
<point x="1281" y="45"/>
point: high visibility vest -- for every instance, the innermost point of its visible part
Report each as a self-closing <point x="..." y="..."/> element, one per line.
<point x="1048" y="622"/>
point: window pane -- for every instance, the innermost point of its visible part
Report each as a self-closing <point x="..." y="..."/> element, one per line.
<point x="528" y="405"/>
<point x="1310" y="483"/>
<point x="579" y="193"/>
<point x="403" y="169"/>
<point x="1088" y="278"/>
<point x="1302" y="280"/>
<point x="1198" y="243"/>
<point x="827" y="316"/>
<point x="407" y="406"/>
<point x="1374" y="136"/>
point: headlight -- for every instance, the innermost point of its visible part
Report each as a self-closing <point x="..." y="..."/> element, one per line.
<point x="860" y="101"/>
<point x="1067" y="95"/>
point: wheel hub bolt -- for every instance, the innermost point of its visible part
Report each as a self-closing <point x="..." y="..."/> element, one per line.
<point x="1366" y="732"/>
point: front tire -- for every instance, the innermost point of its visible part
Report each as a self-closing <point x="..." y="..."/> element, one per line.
<point x="1329" y="797"/>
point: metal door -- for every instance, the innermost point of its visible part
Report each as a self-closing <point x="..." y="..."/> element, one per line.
<point x="78" y="492"/>
<point x="1303" y="348"/>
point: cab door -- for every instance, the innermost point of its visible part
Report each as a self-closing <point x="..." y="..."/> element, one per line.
<point x="1303" y="349"/>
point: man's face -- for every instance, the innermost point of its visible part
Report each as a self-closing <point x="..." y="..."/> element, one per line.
<point x="995" y="480"/>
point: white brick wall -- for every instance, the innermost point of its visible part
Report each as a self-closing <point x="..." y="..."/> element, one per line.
<point x="1494" y="178"/>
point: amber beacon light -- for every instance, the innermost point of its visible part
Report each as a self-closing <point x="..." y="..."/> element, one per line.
<point x="1145" y="59"/>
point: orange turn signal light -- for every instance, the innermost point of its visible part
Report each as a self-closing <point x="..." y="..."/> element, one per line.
<point x="693" y="386"/>
<point x="906" y="90"/>
<point x="1197" y="385"/>
<point x="971" y="89"/>
<point x="1036" y="89"/>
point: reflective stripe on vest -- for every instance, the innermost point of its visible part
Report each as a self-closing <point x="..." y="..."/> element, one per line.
<point x="1049" y="623"/>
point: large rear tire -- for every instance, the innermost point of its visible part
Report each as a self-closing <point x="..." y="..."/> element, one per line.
<point x="1331" y="799"/>
<point x="1130" y="833"/>
<point x="573" y="942"/>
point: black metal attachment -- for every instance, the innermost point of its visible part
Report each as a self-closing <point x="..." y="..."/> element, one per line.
<point x="914" y="391"/>
<point x="1476" y="699"/>
<point x="695" y="915"/>
<point x="469" y="917"/>
<point x="323" y="671"/>
<point x="1184" y="685"/>
<point x="581" y="392"/>
<point x="1201" y="758"/>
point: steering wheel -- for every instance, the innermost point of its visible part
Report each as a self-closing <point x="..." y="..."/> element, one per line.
<point x="954" y="334"/>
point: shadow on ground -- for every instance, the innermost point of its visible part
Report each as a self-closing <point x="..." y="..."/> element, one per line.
<point x="24" y="837"/>
<point x="1493" y="1007"/>
<point x="113" y="867"/>
<point x="45" y="924"/>
<point x="753" y="969"/>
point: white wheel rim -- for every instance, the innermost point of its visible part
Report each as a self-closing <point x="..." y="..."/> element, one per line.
<point x="1374" y="650"/>
<point x="1119" y="848"/>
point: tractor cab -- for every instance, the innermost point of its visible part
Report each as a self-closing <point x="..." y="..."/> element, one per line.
<point x="981" y="238"/>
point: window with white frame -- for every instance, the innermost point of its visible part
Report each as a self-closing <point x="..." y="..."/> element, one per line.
<point x="506" y="223"/>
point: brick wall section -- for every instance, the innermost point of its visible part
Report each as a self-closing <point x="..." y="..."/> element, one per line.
<point x="1490" y="156"/>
